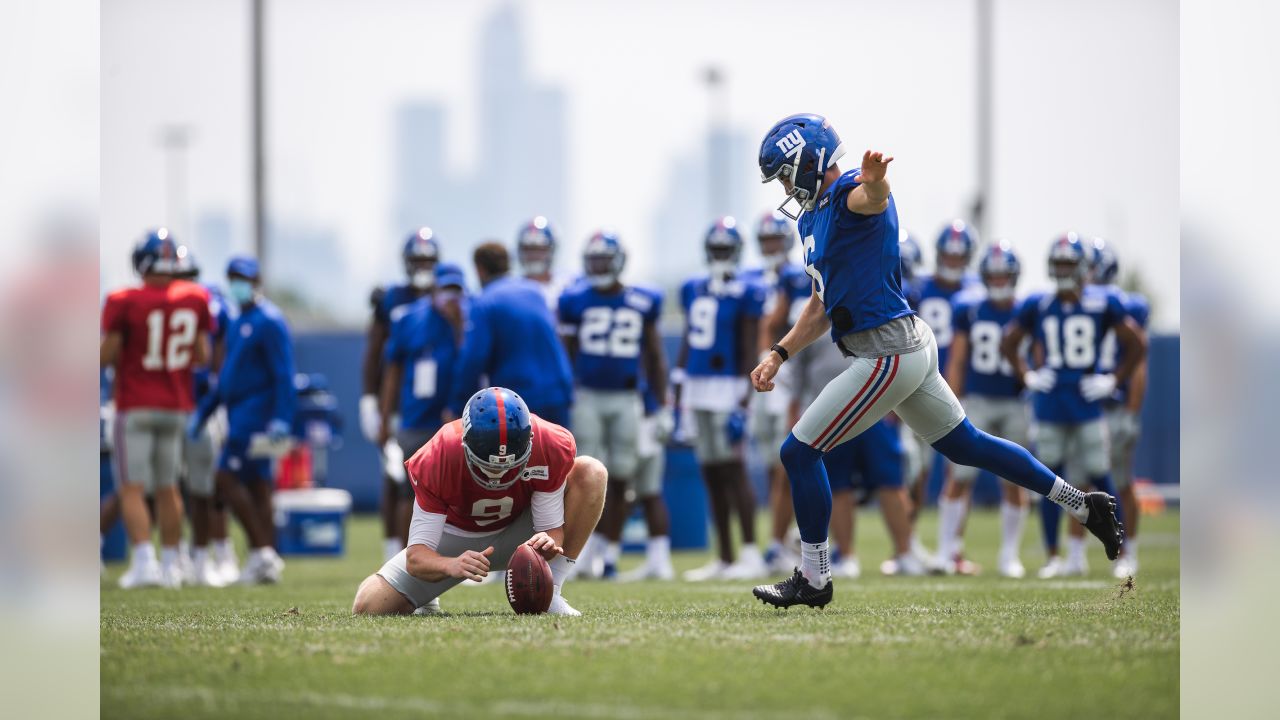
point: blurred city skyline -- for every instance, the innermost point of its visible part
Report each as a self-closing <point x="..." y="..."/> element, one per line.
<point x="389" y="115"/>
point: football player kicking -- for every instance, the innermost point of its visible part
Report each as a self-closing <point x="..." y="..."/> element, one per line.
<point x="611" y="333"/>
<point x="421" y="253"/>
<point x="1124" y="408"/>
<point x="497" y="478"/>
<point x="850" y="229"/>
<point x="1067" y="327"/>
<point x="722" y="312"/>
<point x="980" y="375"/>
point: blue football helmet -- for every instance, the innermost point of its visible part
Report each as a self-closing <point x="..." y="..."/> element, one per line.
<point x="421" y="253"/>
<point x="774" y="225"/>
<point x="798" y="150"/>
<point x="1104" y="266"/>
<point x="157" y="254"/>
<point x="1068" y="262"/>
<point x="912" y="257"/>
<point x="1000" y="261"/>
<point x="603" y="259"/>
<point x="955" y="240"/>
<point x="723" y="246"/>
<point x="536" y="246"/>
<point x="497" y="437"/>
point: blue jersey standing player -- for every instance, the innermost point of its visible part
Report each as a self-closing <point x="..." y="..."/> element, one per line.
<point x="1123" y="409"/>
<point x="611" y="333"/>
<point x="511" y="338"/>
<point x="421" y="254"/>
<point x="722" y="315"/>
<point x="849" y="227"/>
<point x="255" y="384"/>
<point x="788" y="288"/>
<point x="1067" y="327"/>
<point x="991" y="394"/>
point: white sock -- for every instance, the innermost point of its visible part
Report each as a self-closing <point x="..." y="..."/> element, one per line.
<point x="1070" y="498"/>
<point x="595" y="546"/>
<point x="223" y="550"/>
<point x="918" y="547"/>
<point x="391" y="547"/>
<point x="168" y="556"/>
<point x="775" y="547"/>
<point x="144" y="553"/>
<point x="658" y="551"/>
<point x="200" y="555"/>
<point x="612" y="553"/>
<point x="1075" y="549"/>
<point x="750" y="553"/>
<point x="1130" y="548"/>
<point x="561" y="569"/>
<point x="815" y="563"/>
<point x="950" y="515"/>
<point x="1012" y="519"/>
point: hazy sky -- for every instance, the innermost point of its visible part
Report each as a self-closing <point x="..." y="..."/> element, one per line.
<point x="1086" y="111"/>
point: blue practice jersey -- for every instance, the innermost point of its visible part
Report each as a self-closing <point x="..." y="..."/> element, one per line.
<point x="422" y="341"/>
<point x="511" y="338"/>
<point x="393" y="301"/>
<point x="220" y="311"/>
<point x="1070" y="335"/>
<point x="609" y="328"/>
<point x="1140" y="310"/>
<point x="256" y="380"/>
<point x="935" y="301"/>
<point x="986" y="371"/>
<point x="790" y="284"/>
<point x="712" y="321"/>
<point x="855" y="261"/>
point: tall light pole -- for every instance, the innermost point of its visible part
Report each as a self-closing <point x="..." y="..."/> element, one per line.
<point x="984" y="39"/>
<point x="717" y="157"/>
<point x="256" y="111"/>
<point x="174" y="140"/>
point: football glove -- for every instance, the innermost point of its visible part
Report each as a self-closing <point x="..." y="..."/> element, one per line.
<point x="664" y="423"/>
<point x="736" y="426"/>
<point x="1040" y="380"/>
<point x="1097" y="387"/>
<point x="370" y="417"/>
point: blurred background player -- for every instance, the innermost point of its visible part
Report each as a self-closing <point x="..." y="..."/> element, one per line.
<point x="651" y="450"/>
<point x="869" y="463"/>
<point x="989" y="391"/>
<point x="498" y="478"/>
<point x="208" y="523"/>
<point x="722" y="316"/>
<point x="511" y="338"/>
<point x="1123" y="409"/>
<point x="256" y="387"/>
<point x="420" y="253"/>
<point x="1067" y="327"/>
<point x="611" y="333"/>
<point x="788" y="286"/>
<point x="153" y="335"/>
<point x="536" y="254"/>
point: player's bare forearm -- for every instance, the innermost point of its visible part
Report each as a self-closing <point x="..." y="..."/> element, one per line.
<point x="811" y="325"/>
<point x="389" y="401"/>
<point x="201" y="352"/>
<point x="748" y="333"/>
<point x="371" y="370"/>
<point x="775" y="323"/>
<point x="109" y="350"/>
<point x="1133" y="344"/>
<point x="957" y="364"/>
<point x="655" y="362"/>
<point x="682" y="361"/>
<point x="1137" y="389"/>
<point x="1013" y="336"/>
<point x="426" y="564"/>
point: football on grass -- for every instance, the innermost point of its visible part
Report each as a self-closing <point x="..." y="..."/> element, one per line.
<point x="529" y="584"/>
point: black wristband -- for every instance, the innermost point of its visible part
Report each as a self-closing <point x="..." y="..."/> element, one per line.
<point x="782" y="352"/>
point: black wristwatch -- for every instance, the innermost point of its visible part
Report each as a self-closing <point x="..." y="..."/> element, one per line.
<point x="782" y="352"/>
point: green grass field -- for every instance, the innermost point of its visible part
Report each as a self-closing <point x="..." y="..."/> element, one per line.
<point x="886" y="647"/>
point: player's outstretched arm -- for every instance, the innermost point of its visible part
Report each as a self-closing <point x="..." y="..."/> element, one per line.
<point x="871" y="197"/>
<point x="810" y="326"/>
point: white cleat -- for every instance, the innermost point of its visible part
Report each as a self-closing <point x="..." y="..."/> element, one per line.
<point x="1075" y="567"/>
<point x="229" y="570"/>
<point x="1011" y="568"/>
<point x="186" y="569"/>
<point x="906" y="565"/>
<point x="783" y="562"/>
<point x="261" y="569"/>
<point x="1052" y="569"/>
<point x="711" y="571"/>
<point x="139" y="576"/>
<point x="206" y="574"/>
<point x="172" y="577"/>
<point x="747" y="568"/>
<point x="848" y="568"/>
<point x="648" y="572"/>
<point x="431" y="608"/>
<point x="560" y="607"/>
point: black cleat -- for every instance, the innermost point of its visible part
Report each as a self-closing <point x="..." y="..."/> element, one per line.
<point x="795" y="590"/>
<point x="1103" y="523"/>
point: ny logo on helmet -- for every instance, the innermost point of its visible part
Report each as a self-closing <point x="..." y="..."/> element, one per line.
<point x="791" y="143"/>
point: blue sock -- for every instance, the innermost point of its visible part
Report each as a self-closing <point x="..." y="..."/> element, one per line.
<point x="1103" y="482"/>
<point x="967" y="445"/>
<point x="1050" y="522"/>
<point x="810" y="490"/>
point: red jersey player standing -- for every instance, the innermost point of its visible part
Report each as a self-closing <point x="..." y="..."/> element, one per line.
<point x="153" y="335"/>
<point x="496" y="479"/>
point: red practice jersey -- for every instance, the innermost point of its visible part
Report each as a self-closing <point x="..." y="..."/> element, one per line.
<point x="443" y="483"/>
<point x="159" y="327"/>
